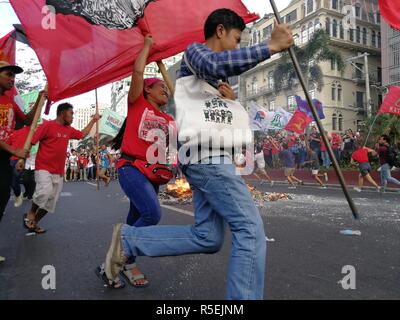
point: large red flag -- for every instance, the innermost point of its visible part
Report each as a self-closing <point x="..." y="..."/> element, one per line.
<point x="92" y="43"/>
<point x="298" y="123"/>
<point x="7" y="53"/>
<point x="390" y="10"/>
<point x="391" y="104"/>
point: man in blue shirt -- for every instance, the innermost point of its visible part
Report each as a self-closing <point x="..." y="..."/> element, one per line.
<point x="104" y="165"/>
<point x="220" y="197"/>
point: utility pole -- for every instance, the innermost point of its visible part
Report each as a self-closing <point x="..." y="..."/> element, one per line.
<point x="367" y="82"/>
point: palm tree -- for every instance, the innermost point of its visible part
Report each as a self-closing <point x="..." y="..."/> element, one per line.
<point x="388" y="124"/>
<point x="317" y="50"/>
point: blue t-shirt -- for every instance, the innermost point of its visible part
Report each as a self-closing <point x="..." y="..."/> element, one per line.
<point x="287" y="159"/>
<point x="104" y="162"/>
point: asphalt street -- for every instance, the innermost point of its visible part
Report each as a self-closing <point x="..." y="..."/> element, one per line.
<point x="304" y="262"/>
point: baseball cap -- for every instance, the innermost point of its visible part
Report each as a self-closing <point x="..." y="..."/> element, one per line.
<point x="151" y="81"/>
<point x="4" y="65"/>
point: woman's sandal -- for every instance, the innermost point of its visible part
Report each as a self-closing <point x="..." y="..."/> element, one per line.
<point x="132" y="279"/>
<point x="114" y="284"/>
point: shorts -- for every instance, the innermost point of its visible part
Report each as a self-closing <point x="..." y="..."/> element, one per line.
<point x="102" y="171"/>
<point x="365" y="168"/>
<point x="289" y="172"/>
<point x="314" y="172"/>
<point x="260" y="160"/>
<point x="74" y="168"/>
<point x="48" y="189"/>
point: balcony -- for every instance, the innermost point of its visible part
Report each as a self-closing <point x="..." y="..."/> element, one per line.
<point x="254" y="94"/>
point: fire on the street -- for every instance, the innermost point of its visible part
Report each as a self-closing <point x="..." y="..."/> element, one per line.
<point x="180" y="192"/>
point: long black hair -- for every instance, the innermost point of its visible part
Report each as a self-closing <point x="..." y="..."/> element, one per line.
<point x="117" y="141"/>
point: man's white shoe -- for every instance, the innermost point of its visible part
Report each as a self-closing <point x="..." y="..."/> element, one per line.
<point x="357" y="189"/>
<point x="326" y="177"/>
<point x="18" y="201"/>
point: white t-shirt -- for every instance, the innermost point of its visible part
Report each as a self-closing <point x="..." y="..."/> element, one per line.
<point x="73" y="160"/>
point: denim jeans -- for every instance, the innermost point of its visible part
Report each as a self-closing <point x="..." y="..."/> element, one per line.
<point x="387" y="177"/>
<point x="219" y="197"/>
<point x="16" y="178"/>
<point x="326" y="161"/>
<point x="144" y="209"/>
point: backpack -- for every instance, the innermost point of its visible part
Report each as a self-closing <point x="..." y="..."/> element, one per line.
<point x="392" y="157"/>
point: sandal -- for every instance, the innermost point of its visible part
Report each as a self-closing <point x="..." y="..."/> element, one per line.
<point x="132" y="279"/>
<point x="113" y="284"/>
<point x="31" y="226"/>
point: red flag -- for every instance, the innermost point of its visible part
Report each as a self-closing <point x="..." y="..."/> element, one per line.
<point x="390" y="10"/>
<point x="391" y="104"/>
<point x="7" y="53"/>
<point x="298" y="123"/>
<point x="92" y="43"/>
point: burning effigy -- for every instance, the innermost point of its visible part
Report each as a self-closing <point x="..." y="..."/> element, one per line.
<point x="180" y="192"/>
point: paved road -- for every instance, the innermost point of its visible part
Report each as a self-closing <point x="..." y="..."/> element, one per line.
<point x="304" y="262"/>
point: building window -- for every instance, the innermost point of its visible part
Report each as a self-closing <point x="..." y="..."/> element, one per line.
<point x="310" y="6"/>
<point x="351" y="34"/>
<point x="317" y="24"/>
<point x="328" y="26"/>
<point x="291" y="17"/>
<point x="272" y="105"/>
<point x="267" y="32"/>
<point x="339" y="92"/>
<point x="364" y="36"/>
<point x="341" y="30"/>
<point x="373" y="38"/>
<point x="310" y="30"/>
<point x="358" y="10"/>
<point x="296" y="39"/>
<point x="333" y="90"/>
<point x="340" y="122"/>
<point x="378" y="17"/>
<point x="334" y="4"/>
<point x="334" y="28"/>
<point x="304" y="34"/>
<point x="379" y="39"/>
<point x="334" y="122"/>
<point x="291" y="103"/>
<point x="358" y="35"/>
<point x="333" y="64"/>
<point x="254" y="85"/>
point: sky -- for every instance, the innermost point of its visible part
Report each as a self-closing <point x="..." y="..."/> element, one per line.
<point x="8" y="18"/>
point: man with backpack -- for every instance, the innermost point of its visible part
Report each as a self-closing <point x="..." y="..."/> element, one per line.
<point x="387" y="160"/>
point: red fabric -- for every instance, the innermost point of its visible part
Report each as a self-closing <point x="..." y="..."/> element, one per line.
<point x="53" y="138"/>
<point x="298" y="123"/>
<point x="83" y="161"/>
<point x="336" y="141"/>
<point x="8" y="112"/>
<point x="361" y="155"/>
<point x="18" y="138"/>
<point x="391" y="104"/>
<point x="142" y="117"/>
<point x="390" y="10"/>
<point x="78" y="56"/>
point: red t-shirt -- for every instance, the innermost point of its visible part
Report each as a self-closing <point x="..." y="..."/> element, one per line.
<point x="142" y="117"/>
<point x="361" y="155"/>
<point x="83" y="161"/>
<point x="53" y="138"/>
<point x="9" y="110"/>
<point x="18" y="138"/>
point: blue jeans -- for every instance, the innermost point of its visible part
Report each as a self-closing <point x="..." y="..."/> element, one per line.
<point x="326" y="161"/>
<point x="144" y="207"/>
<point x="387" y="177"/>
<point x="16" y="179"/>
<point x="219" y="197"/>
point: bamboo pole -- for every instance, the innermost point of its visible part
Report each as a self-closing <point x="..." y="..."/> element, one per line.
<point x="97" y="143"/>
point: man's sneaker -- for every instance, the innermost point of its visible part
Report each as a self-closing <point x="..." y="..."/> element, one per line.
<point x="357" y="189"/>
<point x="323" y="187"/>
<point x="326" y="177"/>
<point x="2" y="259"/>
<point x="18" y="201"/>
<point x="379" y="189"/>
<point x="115" y="259"/>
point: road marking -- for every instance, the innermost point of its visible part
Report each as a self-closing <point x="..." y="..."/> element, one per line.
<point x="66" y="194"/>
<point x="92" y="184"/>
<point x="188" y="213"/>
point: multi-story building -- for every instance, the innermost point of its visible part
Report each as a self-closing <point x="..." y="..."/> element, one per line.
<point x="343" y="94"/>
<point x="390" y="55"/>
<point x="83" y="115"/>
<point x="120" y="89"/>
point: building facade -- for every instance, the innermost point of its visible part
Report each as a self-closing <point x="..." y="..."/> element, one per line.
<point x="390" y="56"/>
<point x="343" y="94"/>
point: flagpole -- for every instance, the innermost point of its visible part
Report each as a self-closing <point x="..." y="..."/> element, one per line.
<point x="318" y="121"/>
<point x="97" y="143"/>
<point x="370" y="129"/>
<point x="28" y="141"/>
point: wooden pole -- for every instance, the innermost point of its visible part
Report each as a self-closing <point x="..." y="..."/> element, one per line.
<point x="97" y="143"/>
<point x="318" y="121"/>
<point x="166" y="77"/>
<point x="370" y="129"/>
<point x="34" y="124"/>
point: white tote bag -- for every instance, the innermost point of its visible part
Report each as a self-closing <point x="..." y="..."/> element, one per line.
<point x="206" y="119"/>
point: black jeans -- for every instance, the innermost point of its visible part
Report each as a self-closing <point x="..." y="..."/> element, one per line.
<point x="28" y="180"/>
<point x="5" y="180"/>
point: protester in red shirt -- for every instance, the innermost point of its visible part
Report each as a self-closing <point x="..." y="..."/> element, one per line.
<point x="50" y="162"/>
<point x="361" y="157"/>
<point x="337" y="145"/>
<point x="82" y="162"/>
<point x="9" y="112"/>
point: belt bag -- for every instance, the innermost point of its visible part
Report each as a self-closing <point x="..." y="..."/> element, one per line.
<point x="206" y="119"/>
<point x="158" y="174"/>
